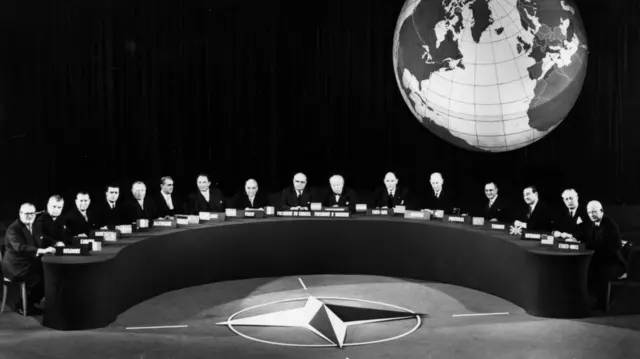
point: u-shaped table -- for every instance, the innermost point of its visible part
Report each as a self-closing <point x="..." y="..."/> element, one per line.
<point x="86" y="292"/>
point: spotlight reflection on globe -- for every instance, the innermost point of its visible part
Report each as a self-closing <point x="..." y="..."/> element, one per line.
<point x="490" y="75"/>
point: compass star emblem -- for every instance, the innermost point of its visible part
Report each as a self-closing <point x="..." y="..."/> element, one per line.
<point x="328" y="321"/>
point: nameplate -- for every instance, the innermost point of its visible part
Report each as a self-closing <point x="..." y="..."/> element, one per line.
<point x="417" y="215"/>
<point x="125" y="228"/>
<point x="204" y="216"/>
<point x="271" y="211"/>
<point x="81" y="250"/>
<point x="315" y="206"/>
<point x="94" y="243"/>
<point x="569" y="247"/>
<point x="438" y="214"/>
<point x="477" y="221"/>
<point x="285" y="213"/>
<point x="341" y="214"/>
<point x="533" y="236"/>
<point x="399" y="209"/>
<point x="379" y="212"/>
<point x="193" y="219"/>
<point x="211" y="216"/>
<point x="336" y="209"/>
<point x="547" y="240"/>
<point x="321" y="214"/>
<point x="455" y="219"/>
<point x="302" y="213"/>
<point x="107" y="235"/>
<point x="361" y="207"/>
<point x="254" y="214"/>
<point x="142" y="224"/>
<point x="503" y="227"/>
<point x="232" y="212"/>
<point x="166" y="223"/>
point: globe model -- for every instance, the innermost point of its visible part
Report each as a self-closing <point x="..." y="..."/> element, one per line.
<point x="490" y="75"/>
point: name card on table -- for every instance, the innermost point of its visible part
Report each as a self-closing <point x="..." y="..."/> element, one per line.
<point x="233" y="212"/>
<point x="254" y="214"/>
<point x="142" y="223"/>
<point x="455" y="219"/>
<point x="107" y="235"/>
<point x="80" y="250"/>
<point x="166" y="223"/>
<point x="336" y="209"/>
<point x="294" y="214"/>
<point x="547" y="240"/>
<point x="569" y="247"/>
<point x="417" y="215"/>
<point x="399" y="209"/>
<point x="438" y="214"/>
<point x="328" y="214"/>
<point x="477" y="221"/>
<point x="94" y="243"/>
<point x="321" y="214"/>
<point x="496" y="226"/>
<point x="315" y="206"/>
<point x="533" y="236"/>
<point x="360" y="207"/>
<point x="380" y="212"/>
<point x="125" y="228"/>
<point x="211" y="216"/>
<point x="271" y="211"/>
<point x="204" y="216"/>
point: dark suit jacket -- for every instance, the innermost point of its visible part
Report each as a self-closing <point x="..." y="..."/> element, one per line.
<point x="162" y="208"/>
<point x="565" y="223"/>
<point x="20" y="254"/>
<point x="500" y="210"/>
<point x="541" y="219"/>
<point x="76" y="224"/>
<point x="241" y="201"/>
<point x="290" y="198"/>
<point x="197" y="202"/>
<point x="49" y="232"/>
<point x="445" y="202"/>
<point x="106" y="216"/>
<point x="400" y="197"/>
<point x="133" y="211"/>
<point x="347" y="199"/>
<point x="604" y="240"/>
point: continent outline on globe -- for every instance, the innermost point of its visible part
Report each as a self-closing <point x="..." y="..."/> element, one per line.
<point x="490" y="75"/>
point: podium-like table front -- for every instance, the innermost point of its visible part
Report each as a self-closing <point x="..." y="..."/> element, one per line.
<point x="86" y="292"/>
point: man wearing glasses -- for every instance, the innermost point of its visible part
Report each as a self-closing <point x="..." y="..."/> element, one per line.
<point x="297" y="197"/>
<point x="21" y="261"/>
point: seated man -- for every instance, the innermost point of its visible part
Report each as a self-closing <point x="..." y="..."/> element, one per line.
<point x="250" y="199"/>
<point x="498" y="208"/>
<point x="21" y="261"/>
<point x="438" y="198"/>
<point x="108" y="213"/>
<point x="80" y="220"/>
<point x="602" y="235"/>
<point x="339" y="196"/>
<point x="297" y="197"/>
<point x="167" y="203"/>
<point x="537" y="215"/>
<point x="206" y="199"/>
<point x="391" y="194"/>
<point x="139" y="207"/>
<point x="568" y="220"/>
<point x="48" y="229"/>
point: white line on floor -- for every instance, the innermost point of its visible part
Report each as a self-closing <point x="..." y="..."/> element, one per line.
<point x="301" y="282"/>
<point x="158" y="327"/>
<point x="479" y="314"/>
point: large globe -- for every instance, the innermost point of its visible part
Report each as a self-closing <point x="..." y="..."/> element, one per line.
<point x="490" y="75"/>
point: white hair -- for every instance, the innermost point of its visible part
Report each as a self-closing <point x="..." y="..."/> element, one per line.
<point x="436" y="175"/>
<point x="336" y="178"/>
<point x="594" y="205"/>
<point x="138" y="183"/>
<point x="570" y="192"/>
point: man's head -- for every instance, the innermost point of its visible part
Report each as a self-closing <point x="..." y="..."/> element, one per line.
<point x="54" y="206"/>
<point x="530" y="195"/>
<point x="436" y="181"/>
<point x="595" y="211"/>
<point x="82" y="201"/>
<point x="491" y="190"/>
<point x="27" y="213"/>
<point x="251" y="187"/>
<point x="390" y="180"/>
<point x="299" y="181"/>
<point x="166" y="185"/>
<point x="112" y="192"/>
<point x="337" y="183"/>
<point x="570" y="198"/>
<point x="203" y="182"/>
<point x="139" y="190"/>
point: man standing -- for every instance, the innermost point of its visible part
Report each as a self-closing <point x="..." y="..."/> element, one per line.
<point x="80" y="220"/>
<point x="339" y="196"/>
<point x="298" y="196"/>
<point x="206" y="199"/>
<point x="21" y="260"/>
<point x="47" y="227"/>
<point x="251" y="198"/>
<point x="392" y="194"/>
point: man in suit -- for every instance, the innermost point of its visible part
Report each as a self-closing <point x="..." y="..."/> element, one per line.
<point x="47" y="227"/>
<point x="602" y="235"/>
<point x="108" y="212"/>
<point x="250" y="199"/>
<point x="206" y="199"/>
<point x="167" y="203"/>
<point x="497" y="208"/>
<point x="298" y="196"/>
<point x="80" y="220"/>
<point x="140" y="207"/>
<point x="339" y="196"/>
<point x="392" y="194"/>
<point x="568" y="220"/>
<point x="537" y="215"/>
<point x="438" y="197"/>
<point x="21" y="261"/>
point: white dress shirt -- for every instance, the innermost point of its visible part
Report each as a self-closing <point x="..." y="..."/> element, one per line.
<point x="167" y="198"/>
<point x="205" y="194"/>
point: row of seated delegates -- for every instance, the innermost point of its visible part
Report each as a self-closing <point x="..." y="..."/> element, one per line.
<point x="299" y="197"/>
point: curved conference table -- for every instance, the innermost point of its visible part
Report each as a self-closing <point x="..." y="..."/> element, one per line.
<point x="86" y="292"/>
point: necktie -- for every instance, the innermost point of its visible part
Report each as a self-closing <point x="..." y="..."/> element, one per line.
<point x="571" y="213"/>
<point x="530" y="211"/>
<point x="438" y="194"/>
<point x="84" y="214"/>
<point x="490" y="203"/>
<point x="251" y="200"/>
<point x="390" y="200"/>
<point x="29" y="228"/>
<point x="112" y="205"/>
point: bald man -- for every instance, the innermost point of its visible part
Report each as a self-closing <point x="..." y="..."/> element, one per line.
<point x="438" y="197"/>
<point x="391" y="194"/>
<point x="250" y="198"/>
<point x="602" y="235"/>
<point x="339" y="195"/>
<point x="21" y="261"/>
<point x="568" y="219"/>
<point x="298" y="196"/>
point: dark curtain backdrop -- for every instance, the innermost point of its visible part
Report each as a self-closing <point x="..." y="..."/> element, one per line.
<point x="124" y="90"/>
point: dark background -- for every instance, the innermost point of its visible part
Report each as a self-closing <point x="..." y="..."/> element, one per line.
<point x="96" y="91"/>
